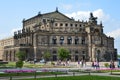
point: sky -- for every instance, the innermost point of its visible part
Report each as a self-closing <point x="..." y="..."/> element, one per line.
<point x="12" y="12"/>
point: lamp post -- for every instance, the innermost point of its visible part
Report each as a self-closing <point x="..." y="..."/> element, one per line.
<point x="112" y="62"/>
<point x="97" y="57"/>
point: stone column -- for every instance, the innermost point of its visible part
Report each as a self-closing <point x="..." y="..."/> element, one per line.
<point x="90" y="46"/>
<point x="35" y="45"/>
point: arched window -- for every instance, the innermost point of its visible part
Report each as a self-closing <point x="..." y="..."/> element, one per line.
<point x="54" y="52"/>
<point x="71" y="24"/>
<point x="76" y="40"/>
<point x="83" y="40"/>
<point x="66" y="24"/>
<point x="61" y="24"/>
<point x="69" y="40"/>
<point x="56" y="24"/>
<point x="75" y="25"/>
<point x="76" y="52"/>
<point x="61" y="40"/>
<point x="83" y="55"/>
<point x="54" y="39"/>
<point x="54" y="57"/>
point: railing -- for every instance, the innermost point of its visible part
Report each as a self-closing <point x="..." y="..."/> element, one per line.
<point x="67" y="73"/>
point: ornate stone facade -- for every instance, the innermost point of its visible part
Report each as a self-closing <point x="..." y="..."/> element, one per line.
<point x="50" y="31"/>
<point x="8" y="42"/>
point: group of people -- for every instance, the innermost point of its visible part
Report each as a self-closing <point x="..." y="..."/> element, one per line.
<point x="63" y="63"/>
<point x="81" y="63"/>
<point x="95" y="64"/>
<point x="112" y="65"/>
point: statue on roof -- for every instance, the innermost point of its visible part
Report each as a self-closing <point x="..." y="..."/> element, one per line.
<point x="57" y="9"/>
<point x="92" y="19"/>
<point x="39" y="13"/>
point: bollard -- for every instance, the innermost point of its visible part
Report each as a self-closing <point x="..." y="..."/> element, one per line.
<point x="35" y="75"/>
<point x="10" y="77"/>
<point x="73" y="73"/>
<point x="111" y="71"/>
<point x="66" y="72"/>
<point x="89" y="72"/>
<point x="55" y="75"/>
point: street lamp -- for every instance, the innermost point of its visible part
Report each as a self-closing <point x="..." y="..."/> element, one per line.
<point x="97" y="56"/>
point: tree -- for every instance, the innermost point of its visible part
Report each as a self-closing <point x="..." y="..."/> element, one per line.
<point x="21" y="58"/>
<point x="118" y="55"/>
<point x="46" y="55"/>
<point x="63" y="53"/>
<point x="19" y="64"/>
<point x="21" y="55"/>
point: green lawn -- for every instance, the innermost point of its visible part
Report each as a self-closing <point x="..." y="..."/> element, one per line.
<point x="87" y="77"/>
<point x="30" y="65"/>
<point x="30" y="74"/>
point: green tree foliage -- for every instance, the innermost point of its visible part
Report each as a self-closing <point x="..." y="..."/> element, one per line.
<point x="21" y="55"/>
<point x="46" y="55"/>
<point x="106" y="65"/>
<point x="21" y="58"/>
<point x="19" y="64"/>
<point x="63" y="53"/>
<point x="118" y="56"/>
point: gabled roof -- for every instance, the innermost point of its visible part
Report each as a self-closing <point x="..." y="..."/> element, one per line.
<point x="52" y="15"/>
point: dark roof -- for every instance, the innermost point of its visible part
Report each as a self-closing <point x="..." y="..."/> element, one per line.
<point x="54" y="15"/>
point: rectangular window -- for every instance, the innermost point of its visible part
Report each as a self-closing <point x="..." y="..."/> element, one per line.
<point x="54" y="41"/>
<point x="83" y="40"/>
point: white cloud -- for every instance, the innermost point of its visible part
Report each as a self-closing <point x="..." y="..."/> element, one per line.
<point x="115" y="33"/>
<point x="7" y="35"/>
<point x="81" y="15"/>
<point x="84" y="15"/>
<point x="101" y="15"/>
<point x="15" y="29"/>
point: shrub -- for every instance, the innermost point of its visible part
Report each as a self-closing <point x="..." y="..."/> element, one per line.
<point x="52" y="63"/>
<point x="19" y="64"/>
<point x="106" y="65"/>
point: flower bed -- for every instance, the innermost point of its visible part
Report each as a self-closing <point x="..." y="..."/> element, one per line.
<point x="108" y="69"/>
<point x="19" y="71"/>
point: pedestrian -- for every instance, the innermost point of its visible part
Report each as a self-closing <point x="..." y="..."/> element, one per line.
<point x="112" y="65"/>
<point x="78" y="63"/>
<point x="93" y="64"/>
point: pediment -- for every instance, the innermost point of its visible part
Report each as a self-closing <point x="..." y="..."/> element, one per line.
<point x="57" y="16"/>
